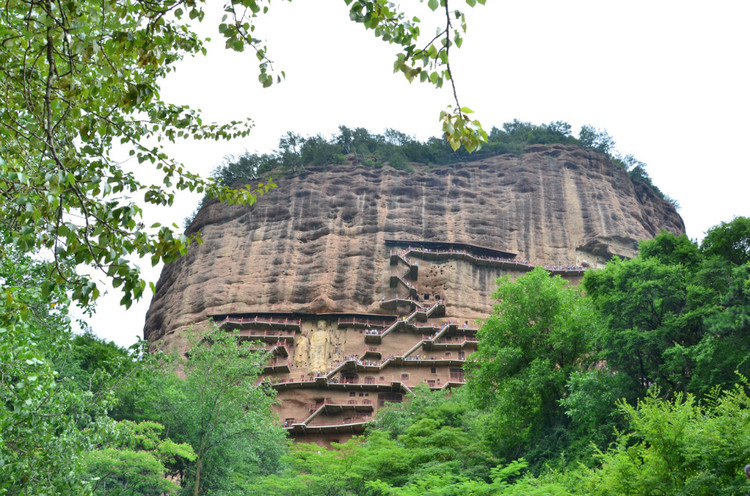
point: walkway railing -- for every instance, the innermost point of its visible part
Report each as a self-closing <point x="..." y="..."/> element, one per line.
<point x="449" y="342"/>
<point x="511" y="262"/>
<point x="365" y="322"/>
<point x="264" y="335"/>
<point x="273" y="348"/>
<point x="273" y="322"/>
<point x="278" y="364"/>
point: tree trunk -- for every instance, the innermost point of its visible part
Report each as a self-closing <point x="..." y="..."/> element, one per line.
<point x="198" y="467"/>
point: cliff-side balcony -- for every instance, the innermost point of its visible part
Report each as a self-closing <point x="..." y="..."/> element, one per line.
<point x="239" y="323"/>
<point x="458" y="254"/>
<point x="393" y="304"/>
<point x="354" y="427"/>
<point x="425" y="361"/>
<point x="367" y="366"/>
<point x="454" y="383"/>
<point x="450" y="383"/>
<point x="427" y="330"/>
<point x="364" y="385"/>
<point x="329" y="408"/>
<point x="322" y="410"/>
<point x="450" y="344"/>
<point x="283" y="383"/>
<point x="365" y="322"/>
<point x="372" y="353"/>
<point x="266" y="336"/>
<point x="278" y="349"/>
<point x="280" y="366"/>
<point x="564" y="270"/>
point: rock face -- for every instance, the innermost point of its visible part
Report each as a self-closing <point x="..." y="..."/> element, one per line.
<point x="363" y="283"/>
<point x="316" y="244"/>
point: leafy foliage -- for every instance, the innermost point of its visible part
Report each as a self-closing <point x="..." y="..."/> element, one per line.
<point x="79" y="79"/>
<point x="57" y="389"/>
<point x="729" y="241"/>
<point x="678" y="447"/>
<point x="215" y="407"/>
<point x="668" y="309"/>
<point x="430" y="62"/>
<point x="537" y="335"/>
<point x="432" y="442"/>
<point x="393" y="148"/>
<point x="46" y="421"/>
<point x="136" y="461"/>
<point x="597" y="139"/>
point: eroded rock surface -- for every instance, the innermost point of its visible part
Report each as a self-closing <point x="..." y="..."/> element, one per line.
<point x="316" y="244"/>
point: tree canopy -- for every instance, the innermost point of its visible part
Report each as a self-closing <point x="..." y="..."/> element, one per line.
<point x="537" y="335"/>
<point x="393" y="148"/>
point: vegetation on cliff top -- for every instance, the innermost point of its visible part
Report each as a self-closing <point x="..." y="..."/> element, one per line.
<point x="395" y="149"/>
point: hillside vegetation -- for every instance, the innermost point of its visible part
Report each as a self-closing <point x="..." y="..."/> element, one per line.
<point x="400" y="151"/>
<point x="634" y="383"/>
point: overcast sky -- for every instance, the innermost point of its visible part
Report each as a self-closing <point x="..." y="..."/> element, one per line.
<point x="669" y="81"/>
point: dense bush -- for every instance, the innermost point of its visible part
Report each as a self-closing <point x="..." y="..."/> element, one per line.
<point x="398" y="150"/>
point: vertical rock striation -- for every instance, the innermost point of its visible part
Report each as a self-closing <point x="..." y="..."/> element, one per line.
<point x="316" y="244"/>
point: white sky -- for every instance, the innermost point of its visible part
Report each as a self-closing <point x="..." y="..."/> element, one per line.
<point x="669" y="81"/>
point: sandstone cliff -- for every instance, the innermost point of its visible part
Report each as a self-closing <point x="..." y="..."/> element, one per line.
<point x="316" y="244"/>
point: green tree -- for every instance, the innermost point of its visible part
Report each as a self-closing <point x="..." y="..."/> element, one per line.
<point x="724" y="349"/>
<point x="729" y="240"/>
<point x="316" y="150"/>
<point x="672" y="313"/>
<point x="92" y="363"/>
<point x="598" y="139"/>
<point x="78" y="79"/>
<point x="429" y="436"/>
<point x="644" y="300"/>
<point x="245" y="169"/>
<point x="136" y="461"/>
<point x="676" y="320"/>
<point x="677" y="447"/>
<point x="55" y="392"/>
<point x="213" y="404"/>
<point x="537" y="335"/>
<point x="457" y="485"/>
<point x="398" y="417"/>
<point x="290" y="147"/>
<point x="47" y="422"/>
